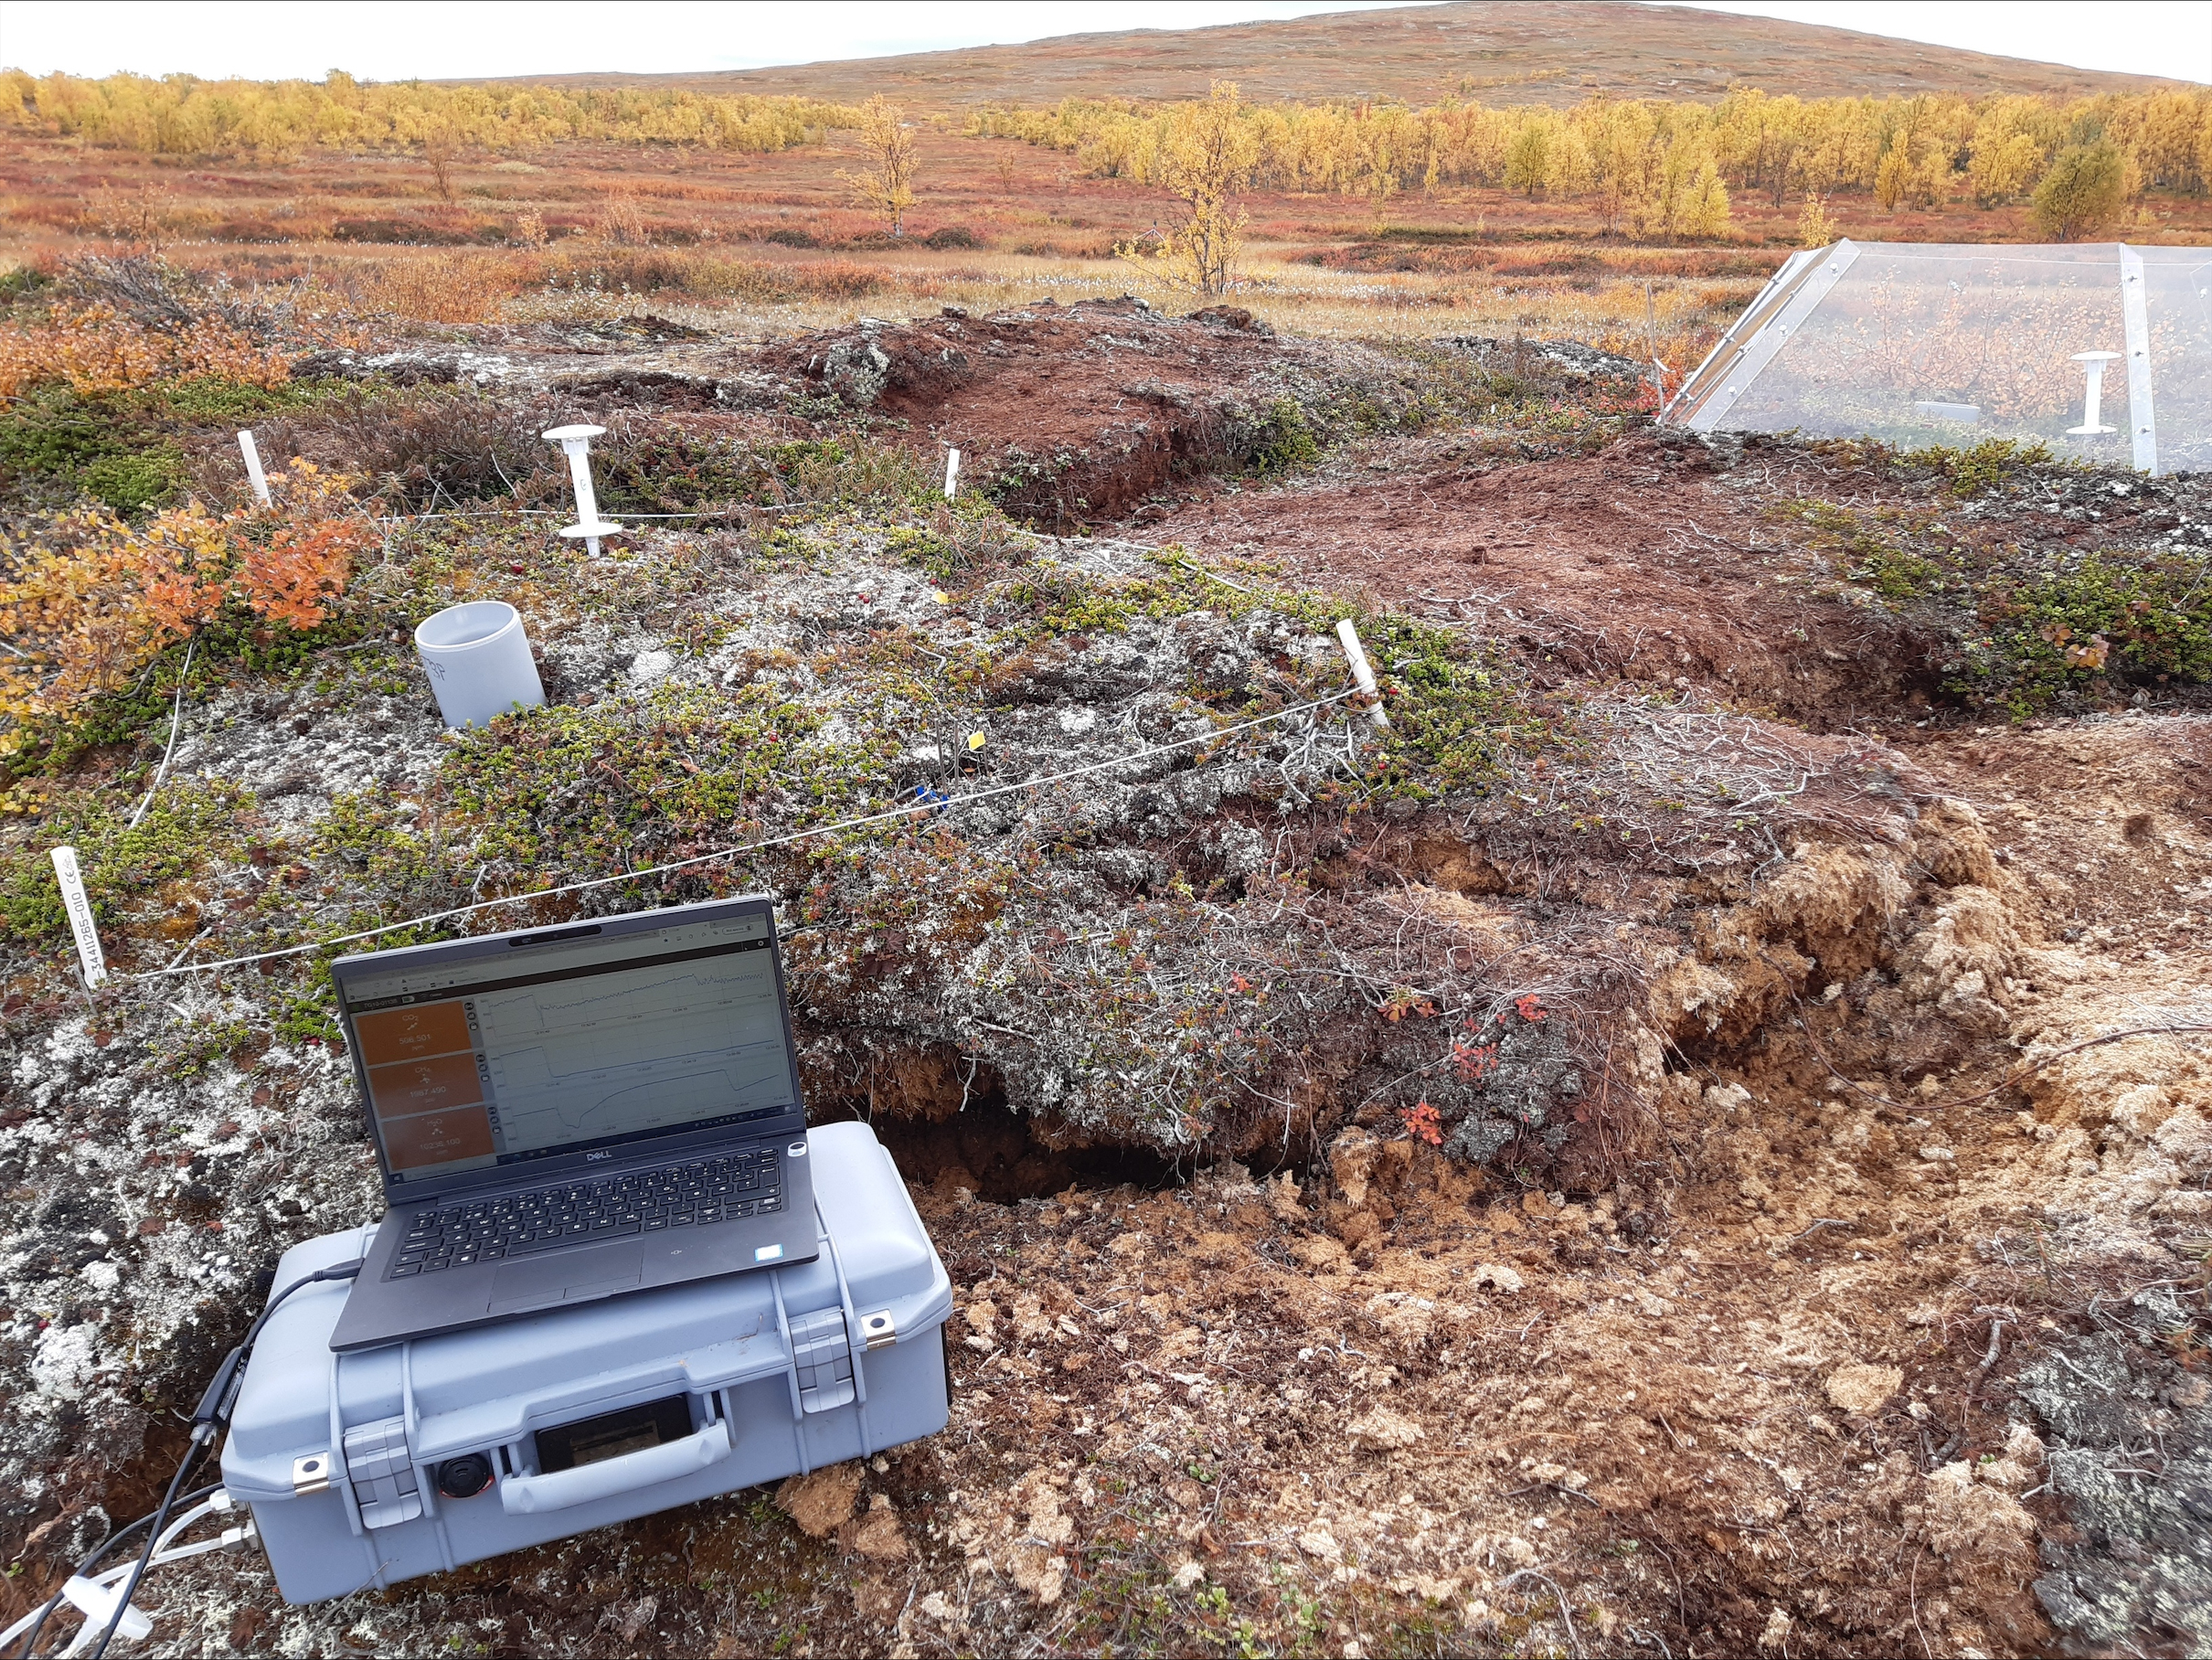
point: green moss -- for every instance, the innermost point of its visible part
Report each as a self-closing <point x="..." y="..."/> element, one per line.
<point x="1872" y="548"/>
<point x="613" y="786"/>
<point x="1980" y="468"/>
<point x="1970" y="471"/>
<point x="1281" y="440"/>
<point x="370" y="836"/>
<point x="54" y="444"/>
<point x="118" y="448"/>
<point x="209" y="399"/>
<point x="2108" y="617"/>
<point x="191" y="1045"/>
<point x="190" y="825"/>
<point x="52" y="432"/>
<point x="131" y="484"/>
<point x="311" y="1016"/>
<point x="22" y="282"/>
<point x="924" y="548"/>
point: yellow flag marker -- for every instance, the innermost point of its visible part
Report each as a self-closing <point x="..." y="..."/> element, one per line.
<point x="975" y="740"/>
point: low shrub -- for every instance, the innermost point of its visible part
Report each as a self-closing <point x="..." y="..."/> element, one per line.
<point x="651" y="467"/>
<point x="91" y="599"/>
<point x="190" y="825"/>
<point x="2109" y="617"/>
<point x="838" y="279"/>
<point x="97" y="349"/>
<point x="425" y="448"/>
<point x="2028" y="628"/>
<point x="446" y="288"/>
<point x="1279" y="439"/>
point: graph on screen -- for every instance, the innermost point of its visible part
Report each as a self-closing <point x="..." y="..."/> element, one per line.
<point x="655" y="1047"/>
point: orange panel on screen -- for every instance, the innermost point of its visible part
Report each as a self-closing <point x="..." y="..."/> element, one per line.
<point x="409" y="1033"/>
<point x="424" y="1086"/>
<point x="437" y="1138"/>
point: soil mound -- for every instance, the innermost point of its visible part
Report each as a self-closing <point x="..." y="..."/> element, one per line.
<point x="1074" y="414"/>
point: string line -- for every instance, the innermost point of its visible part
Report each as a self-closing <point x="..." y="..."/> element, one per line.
<point x="858" y="821"/>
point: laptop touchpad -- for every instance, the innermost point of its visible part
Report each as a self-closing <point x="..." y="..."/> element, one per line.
<point x="578" y="1274"/>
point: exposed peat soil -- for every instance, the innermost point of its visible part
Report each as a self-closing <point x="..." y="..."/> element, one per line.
<point x="1804" y="1320"/>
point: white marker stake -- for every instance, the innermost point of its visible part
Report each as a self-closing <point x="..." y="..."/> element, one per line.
<point x="576" y="443"/>
<point x="952" y="472"/>
<point x="1348" y="638"/>
<point x="247" y="448"/>
<point x="73" y="900"/>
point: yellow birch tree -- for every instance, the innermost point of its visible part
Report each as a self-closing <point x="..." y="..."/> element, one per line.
<point x="886" y="182"/>
<point x="1207" y="153"/>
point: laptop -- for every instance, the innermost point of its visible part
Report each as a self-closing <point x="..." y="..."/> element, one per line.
<point x="570" y="1113"/>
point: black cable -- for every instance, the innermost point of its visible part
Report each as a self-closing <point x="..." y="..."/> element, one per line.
<point x="85" y="1568"/>
<point x="210" y="1420"/>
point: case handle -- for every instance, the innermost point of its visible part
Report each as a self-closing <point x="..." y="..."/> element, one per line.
<point x="535" y="1495"/>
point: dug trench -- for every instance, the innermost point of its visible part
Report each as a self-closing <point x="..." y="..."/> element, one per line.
<point x="1782" y="1230"/>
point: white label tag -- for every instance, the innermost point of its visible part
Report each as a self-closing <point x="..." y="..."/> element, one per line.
<point x="768" y="1253"/>
<point x="73" y="900"/>
<point x="251" y="451"/>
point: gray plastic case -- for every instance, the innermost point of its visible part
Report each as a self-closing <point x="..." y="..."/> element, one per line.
<point x="781" y="1370"/>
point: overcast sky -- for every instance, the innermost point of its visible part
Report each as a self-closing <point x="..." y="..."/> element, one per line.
<point x="394" y="39"/>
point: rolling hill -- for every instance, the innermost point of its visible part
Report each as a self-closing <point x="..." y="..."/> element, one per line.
<point x="1520" y="52"/>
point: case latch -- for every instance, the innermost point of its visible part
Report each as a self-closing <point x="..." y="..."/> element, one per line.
<point x="822" y="1353"/>
<point x="382" y="1472"/>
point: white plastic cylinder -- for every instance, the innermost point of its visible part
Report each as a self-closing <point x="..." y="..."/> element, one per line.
<point x="478" y="659"/>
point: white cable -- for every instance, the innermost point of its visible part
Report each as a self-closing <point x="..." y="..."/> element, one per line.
<point x="176" y="716"/>
<point x="108" y="1578"/>
<point x="774" y="841"/>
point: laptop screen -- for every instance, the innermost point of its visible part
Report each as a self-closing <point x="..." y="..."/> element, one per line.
<point x="570" y="1044"/>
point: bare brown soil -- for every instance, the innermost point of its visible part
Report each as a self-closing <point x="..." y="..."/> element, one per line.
<point x="1101" y="403"/>
<point x="1645" y="561"/>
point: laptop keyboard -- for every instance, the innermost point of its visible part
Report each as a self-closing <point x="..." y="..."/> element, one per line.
<point x="642" y="1201"/>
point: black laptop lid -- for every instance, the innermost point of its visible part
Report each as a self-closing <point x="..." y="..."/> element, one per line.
<point x="543" y="1050"/>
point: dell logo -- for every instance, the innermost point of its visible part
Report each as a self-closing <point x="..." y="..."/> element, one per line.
<point x="595" y="1157"/>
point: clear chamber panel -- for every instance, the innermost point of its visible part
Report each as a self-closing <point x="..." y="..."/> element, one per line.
<point x="1943" y="344"/>
<point x="2178" y="302"/>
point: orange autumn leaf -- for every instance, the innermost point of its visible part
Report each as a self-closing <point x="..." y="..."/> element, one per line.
<point x="95" y="599"/>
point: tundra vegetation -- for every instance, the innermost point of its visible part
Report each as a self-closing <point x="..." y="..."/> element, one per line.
<point x="1696" y="1135"/>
